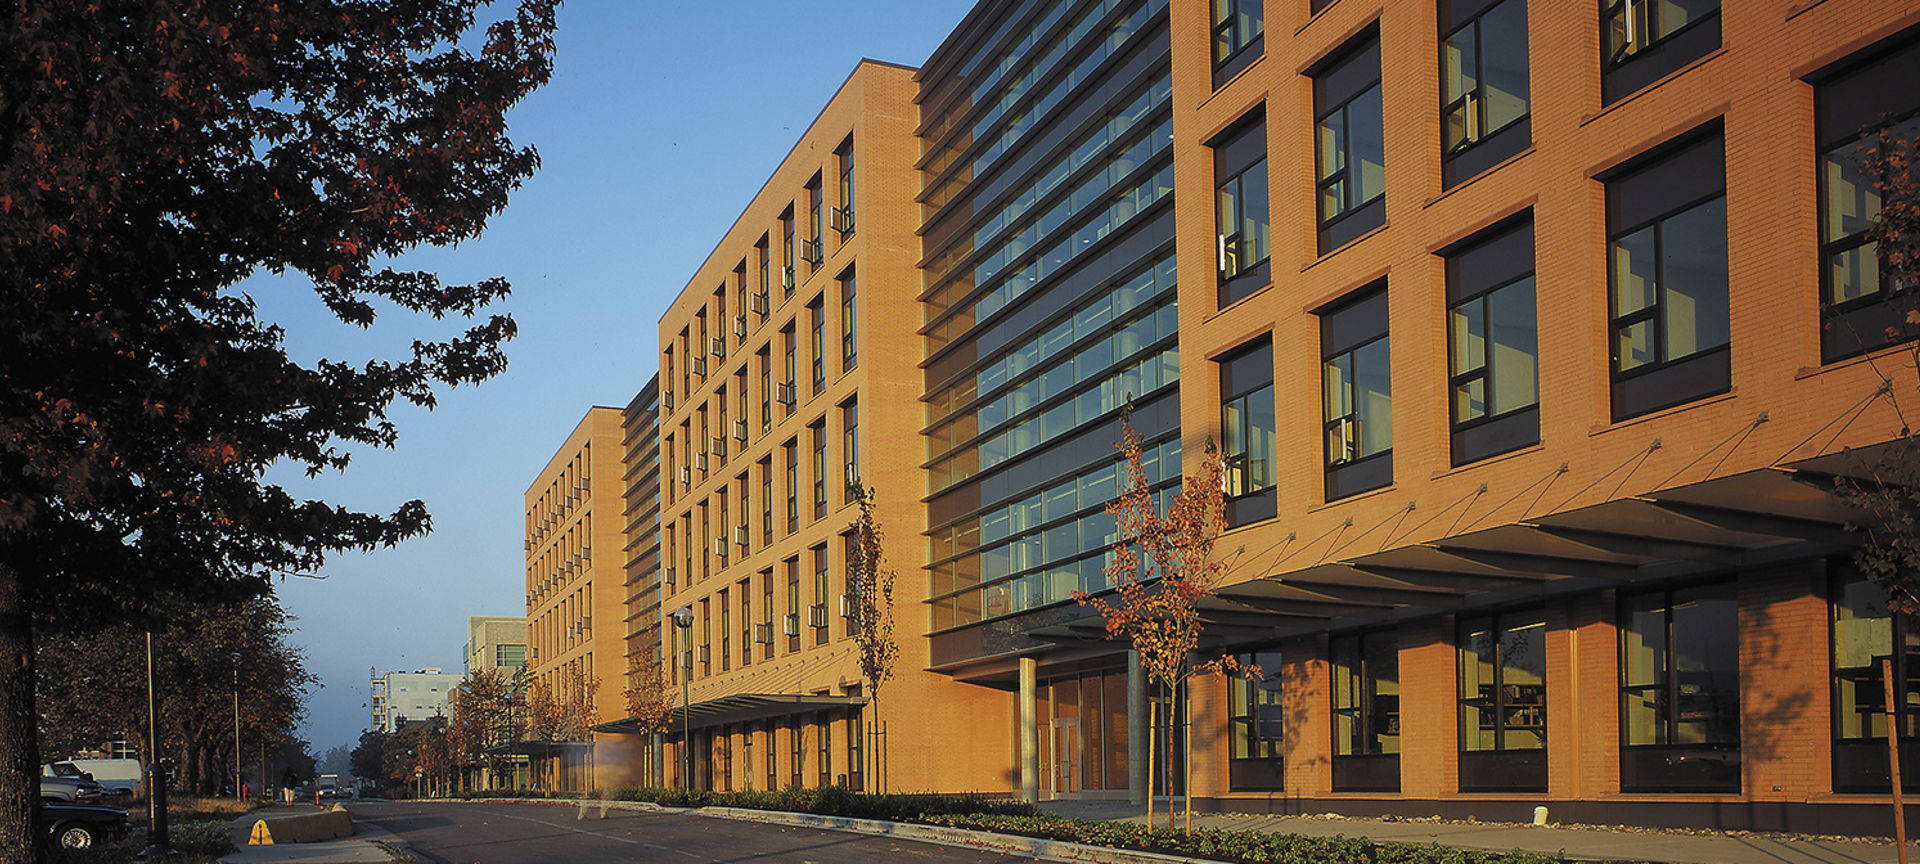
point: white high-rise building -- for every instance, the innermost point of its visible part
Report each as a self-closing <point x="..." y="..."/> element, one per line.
<point x="400" y="698"/>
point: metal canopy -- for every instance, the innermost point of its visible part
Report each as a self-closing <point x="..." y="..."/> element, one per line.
<point x="739" y="708"/>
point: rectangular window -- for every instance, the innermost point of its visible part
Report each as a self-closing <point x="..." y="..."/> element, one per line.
<point x="856" y="757"/>
<point x="817" y="432"/>
<point x="790" y="369"/>
<point x="706" y="637"/>
<point x="789" y="277"/>
<point x="1256" y="724"/>
<point x="843" y="218"/>
<point x="1242" y="246"/>
<point x="1866" y="633"/>
<point x="740" y="302"/>
<point x="1503" y="703"/>
<point x="745" y="592"/>
<point x="1667" y="262"/>
<point x="797" y="741"/>
<point x="1642" y="41"/>
<point x="724" y="547"/>
<point x="825" y="735"/>
<point x="766" y="501"/>
<point x="1366" y="712"/>
<point x="814" y="249"/>
<point x="1484" y="115"/>
<point x="791" y="452"/>
<point x="1680" y="690"/>
<point x="1246" y="432"/>
<point x="773" y="756"/>
<point x="1859" y="310"/>
<point x="817" y="330"/>
<point x="1350" y="143"/>
<point x="766" y="615"/>
<point x="1357" y="390"/>
<point x="796" y="613"/>
<point x="1238" y="28"/>
<point x="726" y="632"/>
<point x="1493" y="343"/>
<point x="706" y="542"/>
<point x="763" y="256"/>
<point x="765" y="365"/>
<point x="850" y="448"/>
<point x="849" y="323"/>
<point x="819" y="612"/>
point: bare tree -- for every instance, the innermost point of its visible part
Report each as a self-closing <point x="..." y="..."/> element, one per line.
<point x="870" y="595"/>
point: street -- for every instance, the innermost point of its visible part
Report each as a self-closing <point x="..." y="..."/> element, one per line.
<point x="514" y="833"/>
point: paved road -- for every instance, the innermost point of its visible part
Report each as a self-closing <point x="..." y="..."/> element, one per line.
<point x="515" y="833"/>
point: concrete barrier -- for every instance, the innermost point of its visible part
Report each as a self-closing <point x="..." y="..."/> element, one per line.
<point x="304" y="828"/>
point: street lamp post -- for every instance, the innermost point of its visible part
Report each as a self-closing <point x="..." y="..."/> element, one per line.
<point x="683" y="621"/>
<point x="159" y="843"/>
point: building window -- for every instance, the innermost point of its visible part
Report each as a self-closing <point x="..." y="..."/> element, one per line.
<point x="726" y="632"/>
<point x="1246" y="432"/>
<point x="849" y="323"/>
<point x="764" y="257"/>
<point x="817" y="342"/>
<point x="745" y="592"/>
<point x="813" y="249"/>
<point x="1667" y="262"/>
<point x="820" y="594"/>
<point x="1503" y="703"/>
<point x="1865" y="633"/>
<point x="1240" y="210"/>
<point x="1366" y="712"/>
<point x="850" y="447"/>
<point x="1256" y="724"/>
<point x="765" y="361"/>
<point x="843" y="218"/>
<point x="818" y="436"/>
<point x="1350" y="143"/>
<point x="1859" y="312"/>
<point x="791" y="451"/>
<point x="1358" y="394"/>
<point x="766" y="501"/>
<point x="789" y="369"/>
<point x="795" y="612"/>
<point x="706" y="637"/>
<point x="1483" y="85"/>
<point x="1493" y="343"/>
<point x="1238" y="28"/>
<point x="766" y="615"/>
<point x="706" y="542"/>
<point x="826" y="749"/>
<point x="773" y="756"/>
<point x="788" y="275"/>
<point x="797" y="738"/>
<point x="1642" y="41"/>
<point x="1680" y="690"/>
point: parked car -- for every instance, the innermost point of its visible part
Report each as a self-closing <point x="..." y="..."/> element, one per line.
<point x="71" y="790"/>
<point x="71" y="826"/>
<point x="120" y="776"/>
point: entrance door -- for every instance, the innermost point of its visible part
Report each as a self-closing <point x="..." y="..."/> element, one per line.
<point x="1066" y="757"/>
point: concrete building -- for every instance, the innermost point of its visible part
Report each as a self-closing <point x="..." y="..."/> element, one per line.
<point x="576" y="593"/>
<point x="496" y="643"/>
<point x="404" y="698"/>
<point x="1534" y="371"/>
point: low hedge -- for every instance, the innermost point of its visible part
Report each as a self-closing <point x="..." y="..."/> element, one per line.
<point x="835" y="801"/>
<point x="1238" y="846"/>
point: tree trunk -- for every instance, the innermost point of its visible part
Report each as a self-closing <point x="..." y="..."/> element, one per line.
<point x="19" y="735"/>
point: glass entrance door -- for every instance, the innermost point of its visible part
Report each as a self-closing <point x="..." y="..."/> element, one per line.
<point x="1066" y="757"/>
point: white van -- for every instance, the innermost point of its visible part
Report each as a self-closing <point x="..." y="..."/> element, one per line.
<point x="120" y="776"/>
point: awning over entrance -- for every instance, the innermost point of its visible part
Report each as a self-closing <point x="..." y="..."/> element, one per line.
<point x="740" y="708"/>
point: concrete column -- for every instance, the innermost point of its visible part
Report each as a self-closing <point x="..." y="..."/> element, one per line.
<point x="1137" y="731"/>
<point x="1029" y="730"/>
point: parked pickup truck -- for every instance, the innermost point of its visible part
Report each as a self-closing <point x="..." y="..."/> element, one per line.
<point x="71" y="790"/>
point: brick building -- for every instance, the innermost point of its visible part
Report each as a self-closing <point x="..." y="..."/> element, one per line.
<point x="1536" y="337"/>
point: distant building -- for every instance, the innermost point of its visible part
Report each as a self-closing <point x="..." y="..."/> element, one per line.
<point x="495" y="642"/>
<point x="402" y="698"/>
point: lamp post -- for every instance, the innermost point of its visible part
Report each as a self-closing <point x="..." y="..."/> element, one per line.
<point x="683" y="621"/>
<point x="159" y="843"/>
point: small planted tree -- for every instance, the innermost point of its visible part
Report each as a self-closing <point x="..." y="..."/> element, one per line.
<point x="870" y="595"/>
<point x="482" y="711"/>
<point x="650" y="698"/>
<point x="1160" y="569"/>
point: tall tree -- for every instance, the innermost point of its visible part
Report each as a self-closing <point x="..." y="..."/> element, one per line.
<point x="870" y="593"/>
<point x="152" y="156"/>
<point x="650" y="700"/>
<point x="1161" y="568"/>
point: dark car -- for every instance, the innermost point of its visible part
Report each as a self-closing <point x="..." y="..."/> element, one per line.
<point x="71" y="826"/>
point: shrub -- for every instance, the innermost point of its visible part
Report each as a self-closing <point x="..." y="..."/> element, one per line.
<point x="832" y="801"/>
<point x="202" y="838"/>
<point x="1247" y="846"/>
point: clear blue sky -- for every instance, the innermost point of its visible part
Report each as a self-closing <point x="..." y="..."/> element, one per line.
<point x="661" y="122"/>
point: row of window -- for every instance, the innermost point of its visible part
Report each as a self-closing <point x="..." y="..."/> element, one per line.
<point x="1679" y="702"/>
<point x="804" y="617"/>
<point x="752" y="755"/>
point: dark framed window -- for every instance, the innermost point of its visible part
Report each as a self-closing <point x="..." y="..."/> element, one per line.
<point x="766" y="614"/>
<point x="1493" y="342"/>
<point x="825" y="724"/>
<point x="850" y="447"/>
<point x="788" y="276"/>
<point x="791" y="452"/>
<point x="766" y="501"/>
<point x="1357" y="392"/>
<point x="1680" y="690"/>
<point x="726" y="632"/>
<point x="706" y="637"/>
<point x="820" y="594"/>
<point x="795" y="610"/>
<point x="789" y="394"/>
<point x="856" y="751"/>
<point x="1256" y="724"/>
<point x="1350" y="143"/>
<point x="1484" y="111"/>
<point x="843" y="220"/>
<point x="1241" y="210"/>
<point x="1642" y="41"/>
<point x="764" y="361"/>
<point x="1667" y="264"/>
<point x="1366" y="712"/>
<point x="1238" y="36"/>
<point x="1503" y="702"/>
<point x="1865" y="633"/>
<point x="849" y="322"/>
<point x="1859" y="310"/>
<point x="814" y="250"/>
<point x="797" y="747"/>
<point x="817" y="342"/>
<point x="745" y="592"/>
<point x="817" y="432"/>
<point x="1246" y="432"/>
<point x="762" y="254"/>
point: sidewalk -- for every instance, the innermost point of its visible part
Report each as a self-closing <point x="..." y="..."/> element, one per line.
<point x="1574" y="842"/>
<point x="364" y="847"/>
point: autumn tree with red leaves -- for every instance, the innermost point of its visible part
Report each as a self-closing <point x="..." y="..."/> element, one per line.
<point x="1159" y="570"/>
<point x="870" y="600"/>
<point x="155" y="155"/>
